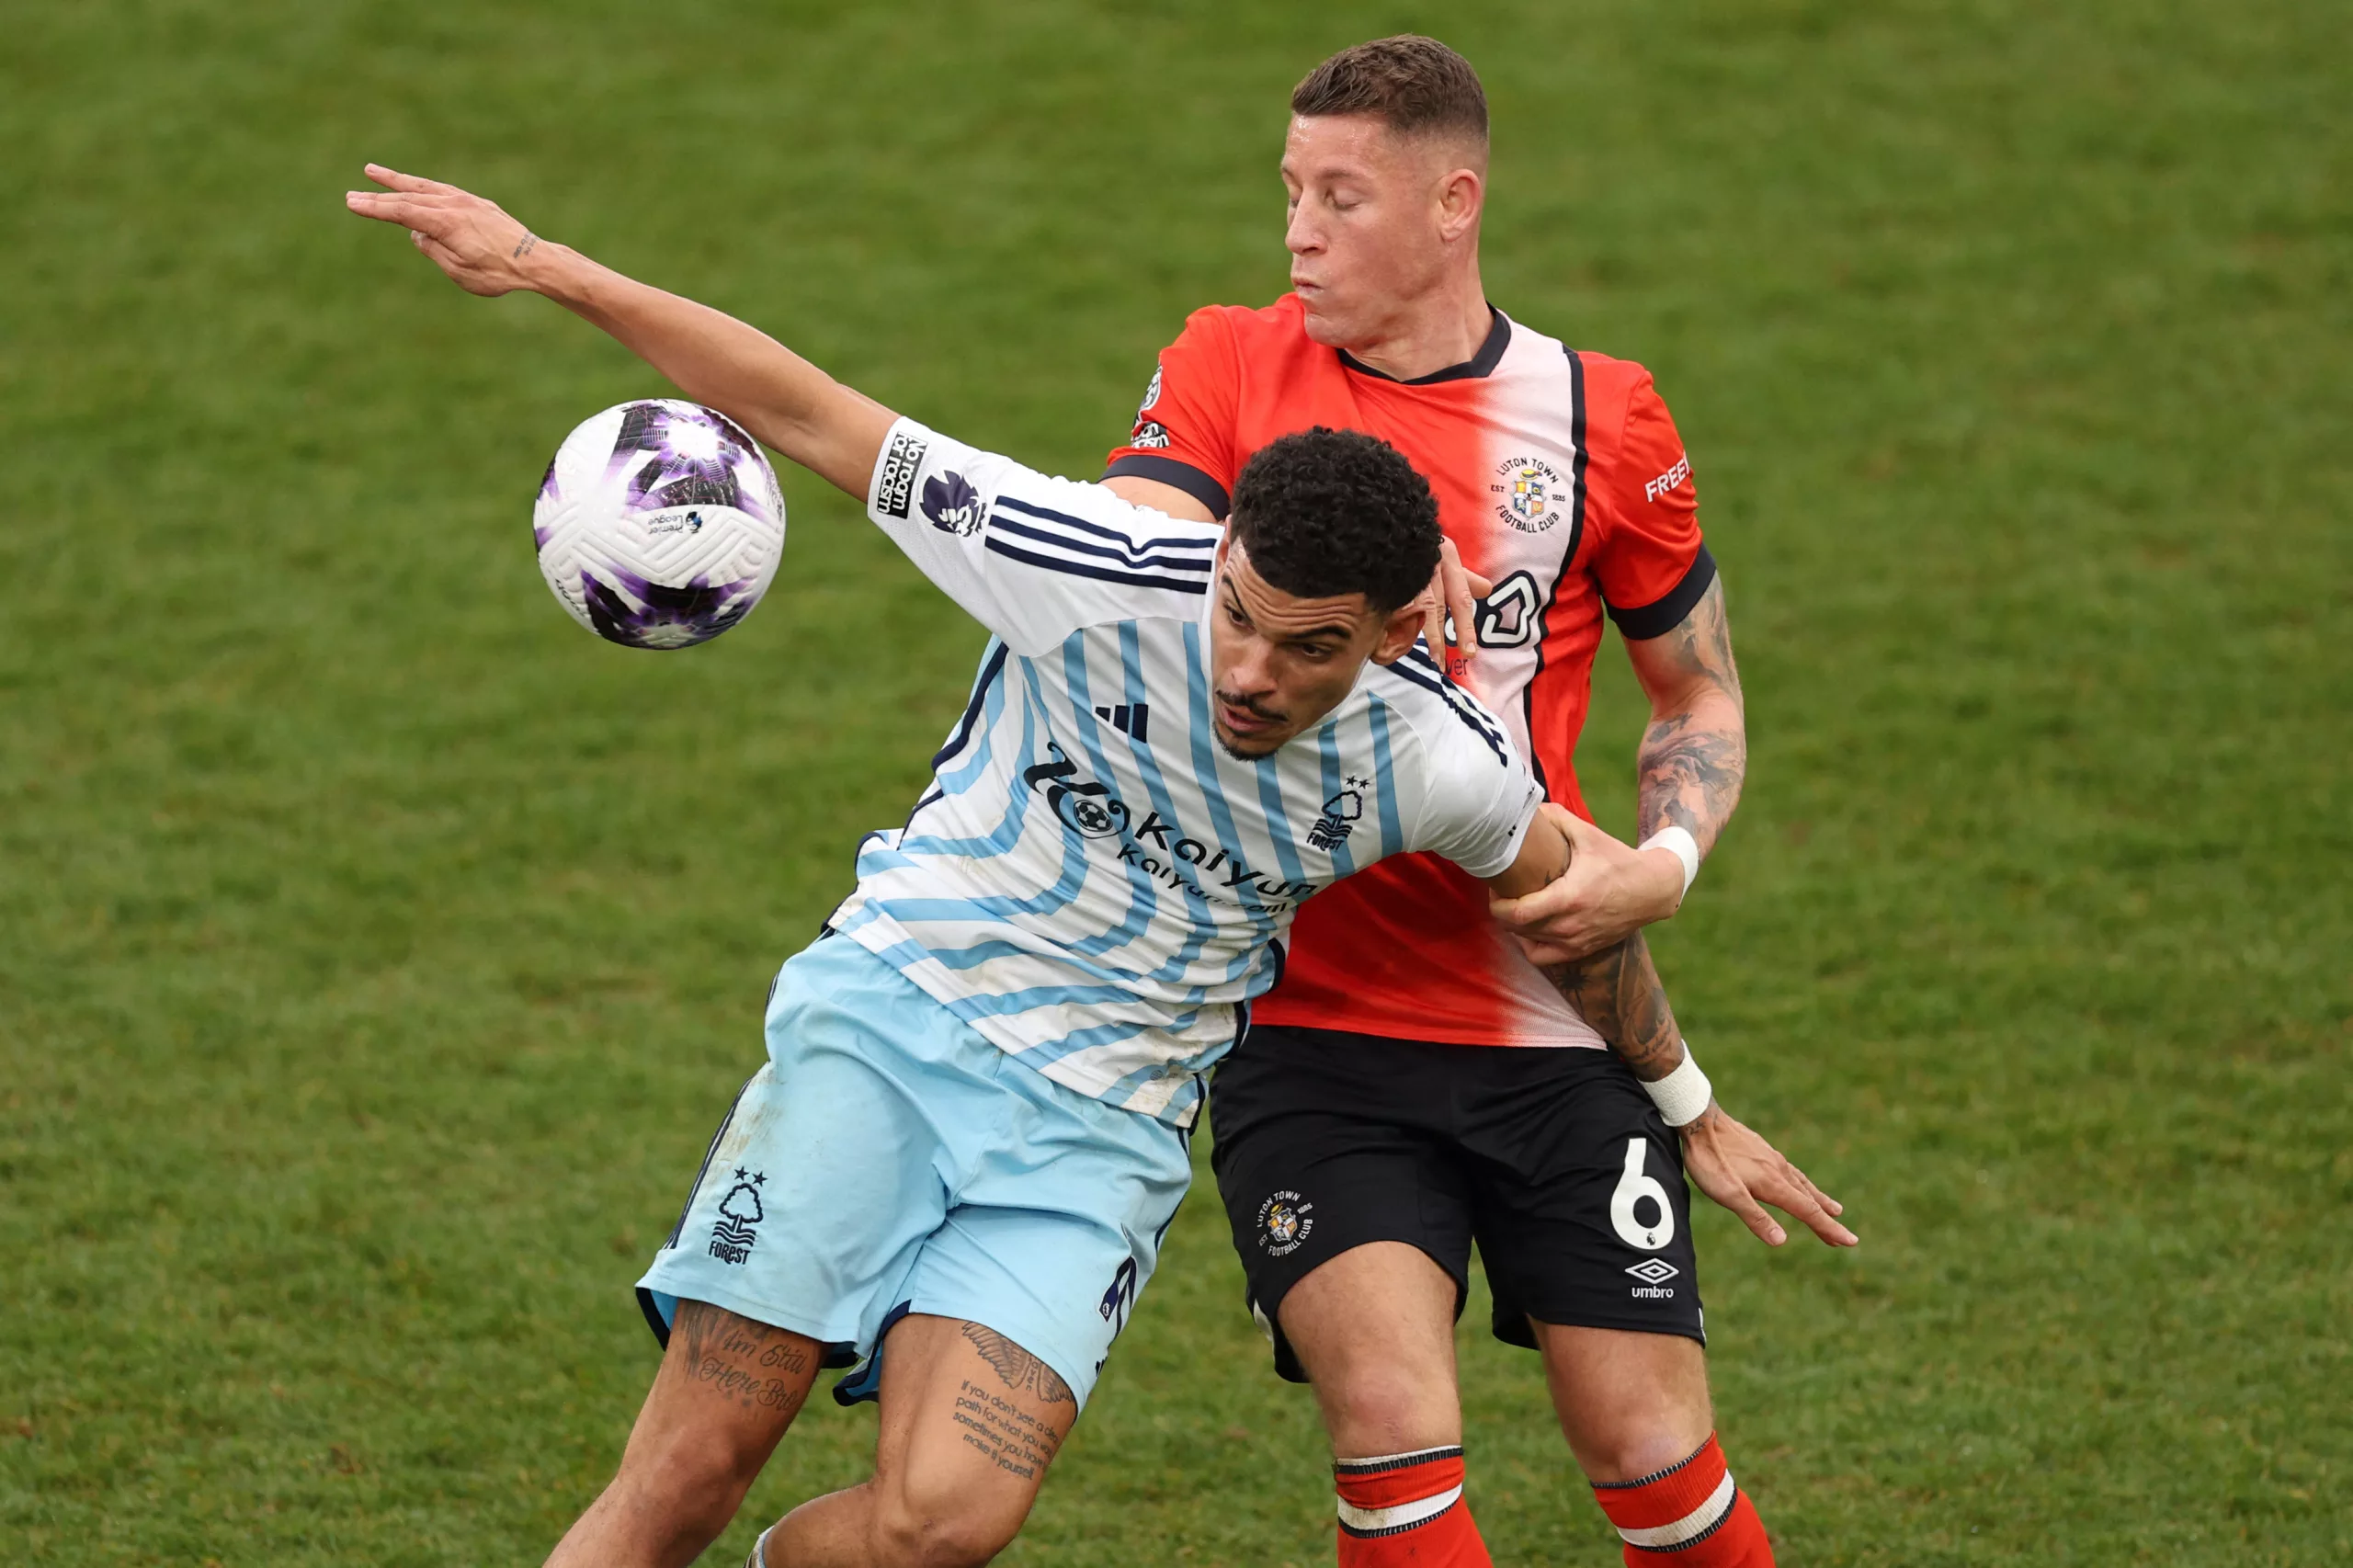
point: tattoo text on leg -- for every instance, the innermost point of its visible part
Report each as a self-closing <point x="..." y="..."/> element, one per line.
<point x="524" y="246"/>
<point x="749" y="1362"/>
<point x="1014" y="1441"/>
<point x="1017" y="1367"/>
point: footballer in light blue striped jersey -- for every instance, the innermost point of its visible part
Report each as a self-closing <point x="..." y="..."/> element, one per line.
<point x="956" y="1166"/>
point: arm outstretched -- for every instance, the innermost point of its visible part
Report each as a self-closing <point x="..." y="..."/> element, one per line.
<point x="788" y="403"/>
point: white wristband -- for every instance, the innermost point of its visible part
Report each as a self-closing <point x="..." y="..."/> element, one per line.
<point x="1684" y="1094"/>
<point x="1686" y="848"/>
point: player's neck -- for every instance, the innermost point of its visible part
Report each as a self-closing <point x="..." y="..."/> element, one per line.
<point x="1444" y="328"/>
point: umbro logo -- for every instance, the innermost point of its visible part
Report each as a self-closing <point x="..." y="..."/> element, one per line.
<point x="1128" y="718"/>
<point x="1653" y="1272"/>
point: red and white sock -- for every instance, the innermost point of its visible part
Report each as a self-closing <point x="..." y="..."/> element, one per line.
<point x="1688" y="1515"/>
<point x="1406" y="1509"/>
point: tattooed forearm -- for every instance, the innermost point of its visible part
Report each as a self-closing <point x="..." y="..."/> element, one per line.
<point x="1017" y="1367"/>
<point x="1015" y="1441"/>
<point x="1619" y="993"/>
<point x="1696" y="751"/>
<point x="1691" y="765"/>
<point x="525" y="245"/>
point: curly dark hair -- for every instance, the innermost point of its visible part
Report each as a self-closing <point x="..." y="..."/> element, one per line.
<point x="1326" y="512"/>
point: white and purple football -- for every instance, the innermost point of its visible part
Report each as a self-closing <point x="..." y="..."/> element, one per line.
<point x="659" y="523"/>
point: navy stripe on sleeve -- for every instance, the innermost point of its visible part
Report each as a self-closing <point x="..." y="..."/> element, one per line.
<point x="1101" y="574"/>
<point x="1663" y="615"/>
<point x="1060" y="541"/>
<point x="1183" y="476"/>
<point x="1431" y="681"/>
<point x="1205" y="543"/>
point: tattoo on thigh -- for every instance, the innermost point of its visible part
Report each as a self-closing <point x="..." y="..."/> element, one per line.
<point x="1010" y="1437"/>
<point x="1017" y="1367"/>
<point x="751" y="1363"/>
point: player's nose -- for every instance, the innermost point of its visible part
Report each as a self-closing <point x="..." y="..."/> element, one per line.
<point x="1299" y="236"/>
<point x="1253" y="674"/>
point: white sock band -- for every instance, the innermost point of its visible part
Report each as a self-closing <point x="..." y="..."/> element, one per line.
<point x="759" y="1558"/>
<point x="1400" y="1517"/>
<point x="1683" y="1095"/>
<point x="1686" y="850"/>
<point x="1699" y="1522"/>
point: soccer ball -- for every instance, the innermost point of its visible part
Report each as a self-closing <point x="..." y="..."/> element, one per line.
<point x="659" y="523"/>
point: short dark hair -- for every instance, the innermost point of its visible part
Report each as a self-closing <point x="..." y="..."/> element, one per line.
<point x="1326" y="513"/>
<point x="1413" y="84"/>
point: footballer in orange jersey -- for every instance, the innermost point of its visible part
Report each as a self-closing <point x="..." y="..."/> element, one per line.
<point x="1401" y="1092"/>
<point x="1561" y="481"/>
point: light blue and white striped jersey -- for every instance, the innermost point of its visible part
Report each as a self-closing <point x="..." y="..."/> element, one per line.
<point x="1091" y="882"/>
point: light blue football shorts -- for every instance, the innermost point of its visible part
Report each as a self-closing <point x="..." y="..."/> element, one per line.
<point x="890" y="1160"/>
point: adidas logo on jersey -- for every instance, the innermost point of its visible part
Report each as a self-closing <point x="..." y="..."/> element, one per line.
<point x="1128" y="719"/>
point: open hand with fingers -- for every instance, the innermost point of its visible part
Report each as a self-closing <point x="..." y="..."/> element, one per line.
<point x="467" y="236"/>
<point x="1737" y="1168"/>
<point x="1454" y="594"/>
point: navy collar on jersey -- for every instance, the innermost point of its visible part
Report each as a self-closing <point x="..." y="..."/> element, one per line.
<point x="1476" y="368"/>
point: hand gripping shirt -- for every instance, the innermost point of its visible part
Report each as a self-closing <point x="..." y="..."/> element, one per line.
<point x="1561" y="478"/>
<point x="1091" y="882"/>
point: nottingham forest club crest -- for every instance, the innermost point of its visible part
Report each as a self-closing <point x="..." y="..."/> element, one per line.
<point x="1285" y="1221"/>
<point x="1339" y="818"/>
<point x="1528" y="493"/>
<point x="740" y="1213"/>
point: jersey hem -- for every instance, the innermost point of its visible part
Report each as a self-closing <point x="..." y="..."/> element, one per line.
<point x="1266" y="1013"/>
<point x="878" y="936"/>
<point x="1518" y="841"/>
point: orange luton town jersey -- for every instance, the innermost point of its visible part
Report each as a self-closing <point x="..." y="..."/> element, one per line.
<point x="1561" y="479"/>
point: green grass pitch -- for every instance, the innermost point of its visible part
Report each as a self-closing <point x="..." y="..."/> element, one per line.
<point x="376" y="949"/>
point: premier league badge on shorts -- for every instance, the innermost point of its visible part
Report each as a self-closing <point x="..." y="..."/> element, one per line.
<point x="1284" y="1224"/>
<point x="740" y="1213"/>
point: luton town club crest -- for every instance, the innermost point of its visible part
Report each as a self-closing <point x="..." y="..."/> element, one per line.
<point x="1528" y="493"/>
<point x="1285" y="1222"/>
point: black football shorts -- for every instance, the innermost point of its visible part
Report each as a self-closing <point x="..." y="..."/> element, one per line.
<point x="1553" y="1160"/>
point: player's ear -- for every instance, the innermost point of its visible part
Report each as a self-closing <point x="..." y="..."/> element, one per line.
<point x="1397" y="633"/>
<point x="1459" y="202"/>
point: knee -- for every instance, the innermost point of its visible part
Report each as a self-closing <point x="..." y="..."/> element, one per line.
<point x="911" y="1535"/>
<point x="1636" y="1451"/>
<point x="692" y="1482"/>
<point x="1389" y="1410"/>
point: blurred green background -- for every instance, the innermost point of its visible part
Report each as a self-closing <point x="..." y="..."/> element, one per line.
<point x="377" y="947"/>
